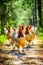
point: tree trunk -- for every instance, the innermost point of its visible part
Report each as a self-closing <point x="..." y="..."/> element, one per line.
<point x="3" y="16"/>
<point x="34" y="14"/>
<point x="2" y="24"/>
<point x="39" y="13"/>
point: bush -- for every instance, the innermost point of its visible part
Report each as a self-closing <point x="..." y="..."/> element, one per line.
<point x="39" y="33"/>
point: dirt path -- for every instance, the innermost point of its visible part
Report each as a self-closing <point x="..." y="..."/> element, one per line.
<point x="31" y="56"/>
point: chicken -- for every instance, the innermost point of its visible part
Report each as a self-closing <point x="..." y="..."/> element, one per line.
<point x="32" y="32"/>
<point x="14" y="36"/>
<point x="20" y="39"/>
<point x="8" y="33"/>
<point x="30" y="35"/>
<point x="21" y="44"/>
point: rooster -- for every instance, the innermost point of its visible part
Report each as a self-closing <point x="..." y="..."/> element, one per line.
<point x="8" y="33"/>
<point x="30" y="35"/>
<point x="20" y="39"/>
<point x="21" y="44"/>
<point x="14" y="36"/>
<point x="32" y="32"/>
<point x="27" y="35"/>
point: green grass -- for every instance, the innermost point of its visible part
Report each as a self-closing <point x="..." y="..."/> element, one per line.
<point x="40" y="33"/>
<point x="2" y="39"/>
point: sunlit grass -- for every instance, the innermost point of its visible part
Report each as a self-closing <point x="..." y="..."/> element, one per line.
<point x="40" y="33"/>
<point x="2" y="39"/>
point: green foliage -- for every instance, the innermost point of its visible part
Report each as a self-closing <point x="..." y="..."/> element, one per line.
<point x="40" y="33"/>
<point x="15" y="12"/>
<point x="2" y="39"/>
<point x="18" y="12"/>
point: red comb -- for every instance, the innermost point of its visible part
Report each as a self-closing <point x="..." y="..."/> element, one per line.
<point x="22" y="27"/>
<point x="27" y="30"/>
<point x="30" y="26"/>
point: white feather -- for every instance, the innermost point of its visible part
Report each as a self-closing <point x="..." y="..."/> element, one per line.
<point x="5" y="31"/>
<point x="15" y="34"/>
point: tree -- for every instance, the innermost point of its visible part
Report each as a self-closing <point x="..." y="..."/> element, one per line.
<point x="16" y="11"/>
<point x="39" y="13"/>
<point x="5" y="15"/>
<point x="42" y="10"/>
<point x="34" y="14"/>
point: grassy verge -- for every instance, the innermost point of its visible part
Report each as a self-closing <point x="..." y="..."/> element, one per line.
<point x="2" y="39"/>
<point x="40" y="33"/>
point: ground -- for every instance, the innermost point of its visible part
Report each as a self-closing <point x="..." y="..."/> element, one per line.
<point x="31" y="56"/>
